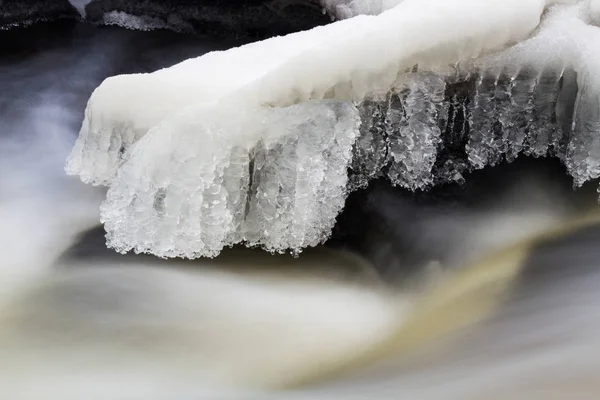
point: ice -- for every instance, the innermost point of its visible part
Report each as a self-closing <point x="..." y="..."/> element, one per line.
<point x="261" y="144"/>
<point x="483" y="148"/>
<point x="557" y="108"/>
<point x="565" y="108"/>
<point x="336" y="60"/>
<point x="399" y="136"/>
<point x="517" y="116"/>
<point x="412" y="130"/>
<point x="371" y="147"/>
<point x="543" y="129"/>
<point x="299" y="181"/>
<point x="191" y="187"/>
<point x="454" y="119"/>
<point x="583" y="153"/>
<point x="502" y="114"/>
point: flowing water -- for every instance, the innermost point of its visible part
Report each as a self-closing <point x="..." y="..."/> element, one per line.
<point x="481" y="291"/>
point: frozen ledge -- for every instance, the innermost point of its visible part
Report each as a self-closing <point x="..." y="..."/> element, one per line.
<point x="261" y="144"/>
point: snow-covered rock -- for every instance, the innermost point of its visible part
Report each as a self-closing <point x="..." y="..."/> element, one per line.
<point x="252" y="144"/>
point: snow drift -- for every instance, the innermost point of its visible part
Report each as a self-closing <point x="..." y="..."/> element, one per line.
<point x="261" y="144"/>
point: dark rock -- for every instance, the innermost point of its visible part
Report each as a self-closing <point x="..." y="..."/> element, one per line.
<point x="26" y="12"/>
<point x="255" y="19"/>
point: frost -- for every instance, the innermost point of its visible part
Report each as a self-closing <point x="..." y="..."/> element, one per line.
<point x="260" y="144"/>
<point x="141" y="23"/>
<point x="342" y="9"/>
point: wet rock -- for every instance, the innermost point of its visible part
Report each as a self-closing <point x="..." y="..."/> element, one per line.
<point x="15" y="13"/>
<point x="234" y="18"/>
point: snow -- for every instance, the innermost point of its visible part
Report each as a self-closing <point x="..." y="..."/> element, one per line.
<point x="252" y="145"/>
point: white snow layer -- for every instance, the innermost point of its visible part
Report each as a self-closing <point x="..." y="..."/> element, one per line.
<point x="252" y="145"/>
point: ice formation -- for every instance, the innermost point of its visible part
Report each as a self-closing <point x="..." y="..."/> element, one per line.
<point x="261" y="144"/>
<point x="274" y="177"/>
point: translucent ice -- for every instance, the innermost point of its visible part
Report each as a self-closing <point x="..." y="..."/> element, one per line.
<point x="412" y="130"/>
<point x="550" y="103"/>
<point x="274" y="177"/>
<point x="399" y="136"/>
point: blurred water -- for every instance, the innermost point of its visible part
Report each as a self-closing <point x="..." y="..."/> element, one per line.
<point x="47" y="74"/>
<point x="75" y="317"/>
